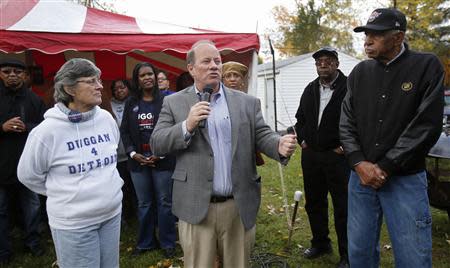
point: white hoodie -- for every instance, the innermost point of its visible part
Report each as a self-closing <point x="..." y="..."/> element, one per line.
<point x="74" y="165"/>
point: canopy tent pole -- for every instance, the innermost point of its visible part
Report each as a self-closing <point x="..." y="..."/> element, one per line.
<point x="272" y="51"/>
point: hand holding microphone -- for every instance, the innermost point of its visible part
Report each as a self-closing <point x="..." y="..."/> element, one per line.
<point x="205" y="96"/>
<point x="199" y="112"/>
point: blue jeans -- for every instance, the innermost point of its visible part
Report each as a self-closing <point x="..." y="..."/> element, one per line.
<point x="93" y="246"/>
<point x="154" y="193"/>
<point x="404" y="202"/>
<point x="30" y="211"/>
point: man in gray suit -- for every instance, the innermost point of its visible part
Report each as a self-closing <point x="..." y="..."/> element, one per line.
<point x="216" y="190"/>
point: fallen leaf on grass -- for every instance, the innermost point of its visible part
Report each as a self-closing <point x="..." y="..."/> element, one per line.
<point x="167" y="263"/>
<point x="282" y="254"/>
<point x="272" y="210"/>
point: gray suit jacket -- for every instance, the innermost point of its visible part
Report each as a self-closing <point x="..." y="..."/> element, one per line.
<point x="193" y="175"/>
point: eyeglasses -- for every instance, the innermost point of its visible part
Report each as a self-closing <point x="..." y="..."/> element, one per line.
<point x="8" y="71"/>
<point x="325" y="61"/>
<point x="91" y="82"/>
<point x="161" y="80"/>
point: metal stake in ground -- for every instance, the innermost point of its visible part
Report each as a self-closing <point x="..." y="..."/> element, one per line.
<point x="297" y="197"/>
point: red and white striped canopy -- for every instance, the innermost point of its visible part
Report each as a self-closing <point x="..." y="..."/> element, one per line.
<point x="57" y="30"/>
<point x="55" y="26"/>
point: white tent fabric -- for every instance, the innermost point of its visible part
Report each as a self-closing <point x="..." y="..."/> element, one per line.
<point x="48" y="32"/>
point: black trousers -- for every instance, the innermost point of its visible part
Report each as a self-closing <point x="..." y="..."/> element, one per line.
<point x="129" y="195"/>
<point x="323" y="173"/>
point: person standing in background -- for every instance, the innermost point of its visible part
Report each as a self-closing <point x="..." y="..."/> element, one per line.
<point x="120" y="92"/>
<point x="233" y="76"/>
<point x="325" y="169"/>
<point x="164" y="83"/>
<point x="151" y="174"/>
<point x="21" y="110"/>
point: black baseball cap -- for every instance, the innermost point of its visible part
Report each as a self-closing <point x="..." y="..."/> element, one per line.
<point x="384" y="19"/>
<point x="12" y="63"/>
<point x="325" y="51"/>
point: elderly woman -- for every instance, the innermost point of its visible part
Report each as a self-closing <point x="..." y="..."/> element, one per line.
<point x="233" y="74"/>
<point x="71" y="158"/>
<point x="151" y="175"/>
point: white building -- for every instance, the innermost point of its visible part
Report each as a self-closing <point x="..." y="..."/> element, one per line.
<point x="292" y="76"/>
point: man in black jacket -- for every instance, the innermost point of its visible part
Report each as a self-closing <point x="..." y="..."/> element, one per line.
<point x="323" y="162"/>
<point x="20" y="111"/>
<point x="391" y="117"/>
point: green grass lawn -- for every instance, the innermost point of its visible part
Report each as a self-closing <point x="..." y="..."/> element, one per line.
<point x="271" y="234"/>
<point x="272" y="230"/>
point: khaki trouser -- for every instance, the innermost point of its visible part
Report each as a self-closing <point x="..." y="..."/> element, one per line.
<point x="220" y="233"/>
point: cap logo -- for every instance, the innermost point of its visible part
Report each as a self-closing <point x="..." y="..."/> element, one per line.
<point x="373" y="16"/>
<point x="407" y="86"/>
<point x="397" y="24"/>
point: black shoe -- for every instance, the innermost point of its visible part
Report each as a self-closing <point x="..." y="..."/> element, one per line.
<point x="169" y="253"/>
<point x="314" y="252"/>
<point x="139" y="251"/>
<point x="343" y="263"/>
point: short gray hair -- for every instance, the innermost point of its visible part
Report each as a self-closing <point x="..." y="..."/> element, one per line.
<point x="68" y="75"/>
<point x="190" y="56"/>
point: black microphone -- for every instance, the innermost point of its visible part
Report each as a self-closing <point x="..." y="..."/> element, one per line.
<point x="205" y="96"/>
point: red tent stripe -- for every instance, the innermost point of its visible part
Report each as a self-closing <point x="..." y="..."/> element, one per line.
<point x="17" y="41"/>
<point x="175" y="54"/>
<point x="157" y="64"/>
<point x="105" y="59"/>
<point x="50" y="63"/>
<point x="98" y="21"/>
<point x="12" y="11"/>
